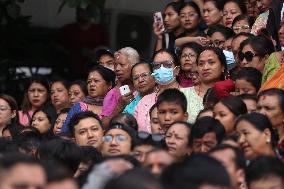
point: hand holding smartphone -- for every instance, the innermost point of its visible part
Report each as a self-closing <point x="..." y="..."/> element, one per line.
<point x="158" y="20"/>
<point x="124" y="89"/>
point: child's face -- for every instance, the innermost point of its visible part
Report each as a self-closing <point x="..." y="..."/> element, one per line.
<point x="170" y="112"/>
<point x="242" y="86"/>
<point x="154" y="121"/>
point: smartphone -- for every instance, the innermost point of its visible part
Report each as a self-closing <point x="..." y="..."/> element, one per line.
<point x="158" y="19"/>
<point x="124" y="89"/>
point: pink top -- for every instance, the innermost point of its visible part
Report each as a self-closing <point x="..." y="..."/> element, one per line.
<point x="110" y="102"/>
<point x="24" y="118"/>
<point x="141" y="112"/>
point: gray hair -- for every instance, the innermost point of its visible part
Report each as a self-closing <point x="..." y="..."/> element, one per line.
<point x="130" y="53"/>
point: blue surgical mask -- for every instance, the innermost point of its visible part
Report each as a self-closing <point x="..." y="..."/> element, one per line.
<point x="163" y="76"/>
<point x="229" y="59"/>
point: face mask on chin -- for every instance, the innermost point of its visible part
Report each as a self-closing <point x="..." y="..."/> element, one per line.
<point x="163" y="76"/>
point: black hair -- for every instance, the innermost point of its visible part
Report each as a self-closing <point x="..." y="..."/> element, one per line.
<point x="195" y="171"/>
<point x="235" y="105"/>
<point x="221" y="57"/>
<point x="61" y="80"/>
<point x="125" y="119"/>
<point x="64" y="151"/>
<point x="9" y="160"/>
<point x="218" y="3"/>
<point x="193" y="5"/>
<point x="205" y="125"/>
<point x="14" y="129"/>
<point x="91" y="154"/>
<point x="239" y="159"/>
<point x="136" y="178"/>
<point x="274" y="92"/>
<point x="210" y="98"/>
<point x="7" y="146"/>
<point x="259" y="122"/>
<point x="249" y="19"/>
<point x="248" y="97"/>
<point x="264" y="167"/>
<point x="107" y="74"/>
<point x="140" y="63"/>
<point x="175" y="5"/>
<point x="240" y="4"/>
<point x="197" y="48"/>
<point x="80" y="116"/>
<point x="174" y="56"/>
<point x="225" y="31"/>
<point x="206" y="109"/>
<point x="245" y="34"/>
<point x="82" y="84"/>
<point x="251" y="75"/>
<point x="260" y="44"/>
<point x="173" y="96"/>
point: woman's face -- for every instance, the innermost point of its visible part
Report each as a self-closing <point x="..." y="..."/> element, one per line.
<point x="188" y="60"/>
<point x="281" y="32"/>
<point x="230" y="11"/>
<point x="189" y="18"/>
<point x="116" y="142"/>
<point x="37" y="95"/>
<point x="97" y="86"/>
<point x="154" y="121"/>
<point x="75" y="94"/>
<point x="270" y="107"/>
<point x="171" y="19"/>
<point x="241" y="26"/>
<point x="218" y="40"/>
<point x="177" y="140"/>
<point x="242" y="86"/>
<point x="59" y="96"/>
<point x="225" y="116"/>
<point x="59" y="122"/>
<point x="122" y="68"/>
<point x="142" y="79"/>
<point x="6" y="114"/>
<point x="165" y="57"/>
<point x="252" y="141"/>
<point x="211" y="14"/>
<point x="41" y="122"/>
<point x="263" y="5"/>
<point x="209" y="67"/>
<point x="253" y="61"/>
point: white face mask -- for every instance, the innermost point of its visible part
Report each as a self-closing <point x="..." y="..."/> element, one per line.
<point x="229" y="59"/>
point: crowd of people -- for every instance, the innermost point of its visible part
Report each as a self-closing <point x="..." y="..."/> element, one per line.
<point x="207" y="112"/>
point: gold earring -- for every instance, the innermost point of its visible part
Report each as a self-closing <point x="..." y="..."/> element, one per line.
<point x="268" y="140"/>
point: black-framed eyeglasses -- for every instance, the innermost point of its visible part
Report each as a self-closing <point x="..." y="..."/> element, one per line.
<point x="166" y="64"/>
<point x="247" y="55"/>
<point x="189" y="56"/>
<point x="155" y="137"/>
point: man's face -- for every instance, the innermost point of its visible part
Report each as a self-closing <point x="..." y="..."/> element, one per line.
<point x="24" y="176"/>
<point x="227" y="158"/>
<point x="205" y="143"/>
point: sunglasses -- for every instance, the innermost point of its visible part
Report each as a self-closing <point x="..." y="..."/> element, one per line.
<point x="155" y="137"/>
<point x="166" y="64"/>
<point x="247" y="55"/>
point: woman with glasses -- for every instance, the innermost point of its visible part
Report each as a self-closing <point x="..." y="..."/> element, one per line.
<point x="255" y="51"/>
<point x="188" y="75"/>
<point x="190" y="17"/>
<point x="8" y="111"/>
<point x="165" y="70"/>
<point x="242" y="23"/>
<point x="211" y="67"/>
<point x="118" y="140"/>
<point x="177" y="140"/>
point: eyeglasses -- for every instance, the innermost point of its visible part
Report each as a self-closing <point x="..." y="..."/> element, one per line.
<point x="188" y="15"/>
<point x="237" y="28"/>
<point x="217" y="43"/>
<point x="189" y="55"/>
<point x="118" y="138"/>
<point x="166" y="64"/>
<point x="247" y="55"/>
<point x="154" y="137"/>
<point x="143" y="76"/>
<point x="4" y="108"/>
